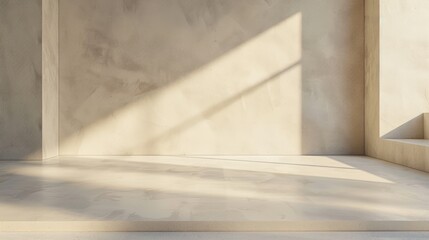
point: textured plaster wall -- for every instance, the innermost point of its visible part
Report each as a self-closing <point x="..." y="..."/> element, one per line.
<point x="404" y="85"/>
<point x="211" y="77"/>
<point x="20" y="79"/>
<point x="387" y="41"/>
<point x="50" y="59"/>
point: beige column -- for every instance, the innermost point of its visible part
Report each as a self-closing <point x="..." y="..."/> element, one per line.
<point x="50" y="61"/>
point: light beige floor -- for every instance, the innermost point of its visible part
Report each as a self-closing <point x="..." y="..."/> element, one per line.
<point x="358" y="191"/>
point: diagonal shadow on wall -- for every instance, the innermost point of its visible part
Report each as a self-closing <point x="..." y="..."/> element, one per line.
<point x="115" y="62"/>
<point x="412" y="129"/>
<point x="117" y="54"/>
<point x="131" y="70"/>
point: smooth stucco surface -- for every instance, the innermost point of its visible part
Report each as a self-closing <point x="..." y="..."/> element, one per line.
<point x="211" y="77"/>
<point x="20" y="79"/>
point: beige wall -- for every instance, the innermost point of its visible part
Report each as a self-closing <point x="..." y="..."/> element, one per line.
<point x="211" y="77"/>
<point x="396" y="79"/>
<point x="20" y="79"/>
<point x="205" y="77"/>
